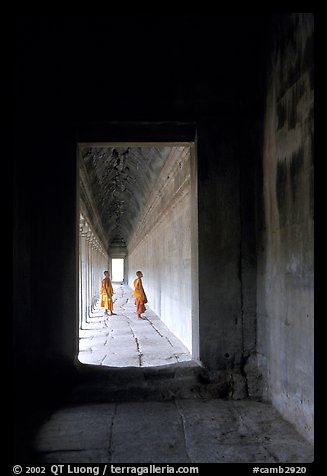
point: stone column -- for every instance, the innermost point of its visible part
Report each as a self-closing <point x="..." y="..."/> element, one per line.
<point x="93" y="261"/>
<point x="89" y="273"/>
<point x="83" y="259"/>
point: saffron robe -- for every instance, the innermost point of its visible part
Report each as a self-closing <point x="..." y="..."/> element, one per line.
<point x="106" y="299"/>
<point x="140" y="296"/>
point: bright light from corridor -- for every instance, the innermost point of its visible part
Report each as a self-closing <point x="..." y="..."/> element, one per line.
<point x="118" y="270"/>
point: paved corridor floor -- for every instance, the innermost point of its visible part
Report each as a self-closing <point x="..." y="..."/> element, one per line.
<point x="131" y="407"/>
<point x="179" y="431"/>
<point x="122" y="340"/>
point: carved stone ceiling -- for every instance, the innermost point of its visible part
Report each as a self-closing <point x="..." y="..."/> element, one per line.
<point x="119" y="181"/>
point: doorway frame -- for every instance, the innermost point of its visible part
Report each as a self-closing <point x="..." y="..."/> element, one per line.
<point x="152" y="134"/>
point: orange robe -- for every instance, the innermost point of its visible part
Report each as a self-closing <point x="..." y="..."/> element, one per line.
<point x="140" y="297"/>
<point x="106" y="299"/>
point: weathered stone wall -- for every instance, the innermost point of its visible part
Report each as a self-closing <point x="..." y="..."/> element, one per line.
<point x="219" y="246"/>
<point x="285" y="241"/>
<point x="161" y="246"/>
<point x="45" y="305"/>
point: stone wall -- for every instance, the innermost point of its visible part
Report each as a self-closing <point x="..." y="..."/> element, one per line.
<point x="161" y="246"/>
<point x="285" y="241"/>
<point x="219" y="245"/>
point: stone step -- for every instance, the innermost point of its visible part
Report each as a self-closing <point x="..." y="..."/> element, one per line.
<point x="182" y="380"/>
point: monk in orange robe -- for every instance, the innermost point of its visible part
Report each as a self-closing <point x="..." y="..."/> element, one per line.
<point x="106" y="292"/>
<point x="140" y="296"/>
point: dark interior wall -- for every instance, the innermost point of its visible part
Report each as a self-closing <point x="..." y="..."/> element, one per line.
<point x="45" y="222"/>
<point x="45" y="253"/>
<point x="228" y="152"/>
<point x="219" y="246"/>
<point x="45" y="248"/>
<point x="285" y="313"/>
<point x="45" y="257"/>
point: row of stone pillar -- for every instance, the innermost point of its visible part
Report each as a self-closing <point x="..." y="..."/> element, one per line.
<point x="93" y="260"/>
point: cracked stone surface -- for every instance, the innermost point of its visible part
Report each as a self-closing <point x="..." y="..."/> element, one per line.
<point x="122" y="340"/>
<point x="180" y="431"/>
<point x="129" y="406"/>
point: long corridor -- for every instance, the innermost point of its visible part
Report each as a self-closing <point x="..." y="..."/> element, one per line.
<point x="122" y="340"/>
<point x="181" y="146"/>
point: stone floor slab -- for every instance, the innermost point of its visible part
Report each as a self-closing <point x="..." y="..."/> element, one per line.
<point x="103" y="340"/>
<point x="148" y="434"/>
<point x="181" y="431"/>
<point x="77" y="428"/>
<point x="76" y="457"/>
